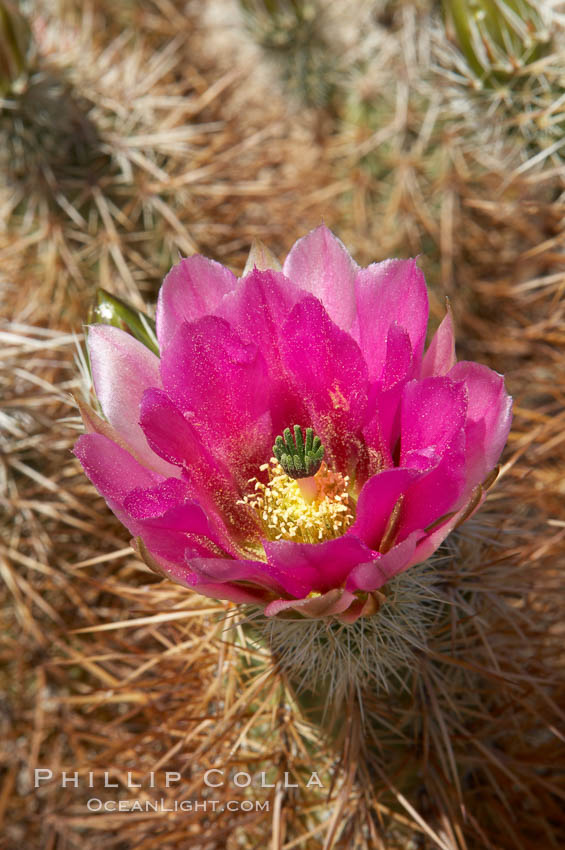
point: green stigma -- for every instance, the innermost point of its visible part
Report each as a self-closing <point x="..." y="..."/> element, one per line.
<point x="299" y="459"/>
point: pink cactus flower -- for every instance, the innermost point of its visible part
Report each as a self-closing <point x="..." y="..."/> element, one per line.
<point x="293" y="446"/>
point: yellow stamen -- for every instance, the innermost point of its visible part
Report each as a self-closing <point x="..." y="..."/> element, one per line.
<point x="289" y="510"/>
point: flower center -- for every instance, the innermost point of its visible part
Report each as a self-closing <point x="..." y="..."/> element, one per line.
<point x="308" y="510"/>
<point x="299" y="459"/>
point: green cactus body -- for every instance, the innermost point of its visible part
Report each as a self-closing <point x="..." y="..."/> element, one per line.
<point x="289" y="33"/>
<point x="498" y="37"/>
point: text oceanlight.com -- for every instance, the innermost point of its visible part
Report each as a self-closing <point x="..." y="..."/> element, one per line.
<point x="97" y="805"/>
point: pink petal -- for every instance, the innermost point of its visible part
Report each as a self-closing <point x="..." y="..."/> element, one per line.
<point x="320" y="263"/>
<point x="222" y="382"/>
<point x="94" y="424"/>
<point x="122" y="369"/>
<point x="433" y="411"/>
<point x="330" y="376"/>
<point x="167" y="505"/>
<point x="173" y="546"/>
<point x="170" y="434"/>
<point x="363" y="606"/>
<point x="440" y="356"/>
<point x="489" y="417"/>
<point x="398" y="364"/>
<point x="432" y="440"/>
<point x="327" y="605"/>
<point x="169" y="521"/>
<point x="232" y="571"/>
<point x="316" y="566"/>
<point x="374" y="574"/>
<point x="175" y="439"/>
<point x="383" y="429"/>
<point x="387" y="292"/>
<point x="181" y="573"/>
<point x="192" y="289"/>
<point x="437" y="491"/>
<point x="240" y="594"/>
<point x="377" y="501"/>
<point x="114" y="473"/>
<point x="430" y="542"/>
<point x="257" y="310"/>
<point x="377" y="441"/>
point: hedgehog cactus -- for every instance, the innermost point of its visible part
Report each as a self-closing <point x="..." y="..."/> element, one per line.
<point x="499" y="37"/>
<point x="398" y="446"/>
<point x="510" y="55"/>
<point x="289" y="32"/>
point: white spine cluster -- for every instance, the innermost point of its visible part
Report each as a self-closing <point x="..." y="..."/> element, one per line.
<point x="377" y="653"/>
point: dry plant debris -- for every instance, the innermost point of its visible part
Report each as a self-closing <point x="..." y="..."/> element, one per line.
<point x="124" y="148"/>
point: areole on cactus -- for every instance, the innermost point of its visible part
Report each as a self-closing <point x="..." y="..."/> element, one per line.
<point x="380" y="449"/>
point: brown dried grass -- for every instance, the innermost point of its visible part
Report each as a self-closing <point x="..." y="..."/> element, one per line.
<point x="174" y="150"/>
<point x="105" y="667"/>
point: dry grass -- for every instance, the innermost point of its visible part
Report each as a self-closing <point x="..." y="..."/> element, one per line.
<point x="172" y="151"/>
<point x="104" y="667"/>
